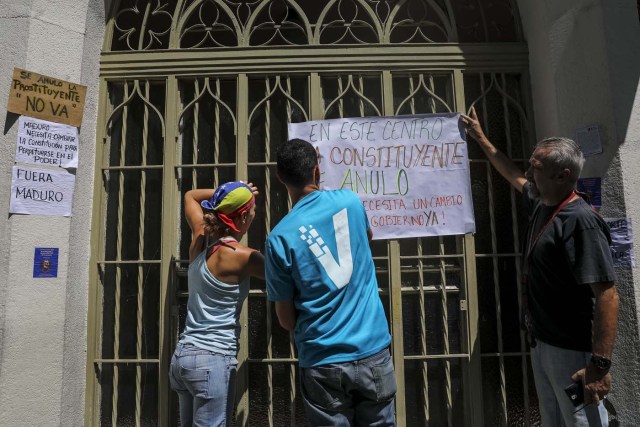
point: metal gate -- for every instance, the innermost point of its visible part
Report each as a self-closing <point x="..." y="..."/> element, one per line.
<point x="198" y="92"/>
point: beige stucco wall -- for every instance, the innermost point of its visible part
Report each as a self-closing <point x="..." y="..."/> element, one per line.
<point x="585" y="66"/>
<point x="43" y="321"/>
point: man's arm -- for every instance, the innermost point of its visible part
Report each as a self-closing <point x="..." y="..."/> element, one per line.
<point x="286" y="312"/>
<point x="280" y="284"/>
<point x="605" y="322"/>
<point x="605" y="318"/>
<point x="498" y="159"/>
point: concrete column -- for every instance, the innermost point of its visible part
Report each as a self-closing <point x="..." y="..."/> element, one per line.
<point x="43" y="321"/>
<point x="622" y="38"/>
<point x="585" y="64"/>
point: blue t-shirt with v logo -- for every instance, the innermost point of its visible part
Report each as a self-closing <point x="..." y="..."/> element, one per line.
<point x="318" y="256"/>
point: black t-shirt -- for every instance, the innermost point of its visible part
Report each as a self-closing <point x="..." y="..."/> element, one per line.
<point x="571" y="253"/>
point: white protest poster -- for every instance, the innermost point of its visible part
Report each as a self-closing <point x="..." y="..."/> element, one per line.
<point x="622" y="241"/>
<point x="41" y="191"/>
<point x="411" y="172"/>
<point x="47" y="143"/>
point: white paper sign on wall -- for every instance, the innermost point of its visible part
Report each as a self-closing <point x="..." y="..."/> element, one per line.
<point x="588" y="139"/>
<point x="622" y="241"/>
<point x="41" y="191"/>
<point x="47" y="143"/>
<point x="411" y="172"/>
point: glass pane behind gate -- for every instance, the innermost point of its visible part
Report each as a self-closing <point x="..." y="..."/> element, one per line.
<point x="208" y="144"/>
<point x="432" y="269"/>
<point x="208" y="125"/>
<point x="432" y="284"/>
<point x="509" y="394"/>
<point x="432" y="288"/>
<point x="129" y="274"/>
<point x="274" y="394"/>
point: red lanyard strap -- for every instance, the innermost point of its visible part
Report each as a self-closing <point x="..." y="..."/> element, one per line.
<point x="564" y="203"/>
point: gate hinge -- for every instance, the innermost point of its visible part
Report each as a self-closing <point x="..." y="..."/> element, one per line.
<point x="463" y="305"/>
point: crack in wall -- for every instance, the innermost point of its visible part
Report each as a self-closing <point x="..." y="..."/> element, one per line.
<point x="43" y="21"/>
<point x="59" y="26"/>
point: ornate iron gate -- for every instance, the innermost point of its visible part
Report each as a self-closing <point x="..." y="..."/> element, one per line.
<point x="197" y="92"/>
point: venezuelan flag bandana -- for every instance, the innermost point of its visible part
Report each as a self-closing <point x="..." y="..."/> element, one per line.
<point x="229" y="201"/>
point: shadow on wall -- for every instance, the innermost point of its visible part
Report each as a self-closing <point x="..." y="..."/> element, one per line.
<point x="10" y="121"/>
<point x="110" y="9"/>
<point x="599" y="83"/>
<point x="597" y="79"/>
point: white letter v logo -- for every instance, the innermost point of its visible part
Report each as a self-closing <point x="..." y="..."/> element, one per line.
<point x="339" y="272"/>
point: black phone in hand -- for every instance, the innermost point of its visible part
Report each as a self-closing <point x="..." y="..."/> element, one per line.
<point x="575" y="392"/>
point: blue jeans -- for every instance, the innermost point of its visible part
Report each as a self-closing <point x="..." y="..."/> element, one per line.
<point x="205" y="383"/>
<point x="359" y="393"/>
<point x="552" y="371"/>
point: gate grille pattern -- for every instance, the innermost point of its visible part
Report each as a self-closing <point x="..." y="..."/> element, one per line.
<point x="199" y="115"/>
<point x="200" y="24"/>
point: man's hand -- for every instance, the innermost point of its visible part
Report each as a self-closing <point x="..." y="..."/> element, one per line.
<point x="473" y="125"/>
<point x="596" y="383"/>
<point x="502" y="163"/>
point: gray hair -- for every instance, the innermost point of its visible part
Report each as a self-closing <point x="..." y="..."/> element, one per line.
<point x="563" y="153"/>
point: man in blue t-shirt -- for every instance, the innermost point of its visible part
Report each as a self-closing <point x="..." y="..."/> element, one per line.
<point x="321" y="275"/>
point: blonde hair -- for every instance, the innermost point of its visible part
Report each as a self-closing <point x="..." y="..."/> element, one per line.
<point x="213" y="226"/>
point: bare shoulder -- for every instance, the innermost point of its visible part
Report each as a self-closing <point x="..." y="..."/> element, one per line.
<point x="231" y="262"/>
<point x="242" y="255"/>
<point x="253" y="262"/>
<point x="244" y="251"/>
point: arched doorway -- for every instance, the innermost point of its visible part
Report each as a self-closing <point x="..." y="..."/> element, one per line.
<point x="197" y="92"/>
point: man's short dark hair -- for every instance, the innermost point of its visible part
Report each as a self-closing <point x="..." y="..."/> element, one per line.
<point x="296" y="160"/>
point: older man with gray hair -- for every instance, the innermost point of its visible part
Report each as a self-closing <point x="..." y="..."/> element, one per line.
<point x="571" y="304"/>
